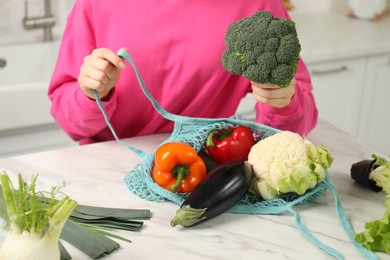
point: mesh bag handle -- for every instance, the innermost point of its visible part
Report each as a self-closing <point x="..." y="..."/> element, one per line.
<point x="139" y="180"/>
<point x="178" y="119"/>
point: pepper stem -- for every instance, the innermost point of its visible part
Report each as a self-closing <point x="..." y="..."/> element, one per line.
<point x="209" y="140"/>
<point x="180" y="172"/>
<point x="188" y="216"/>
<point x="219" y="134"/>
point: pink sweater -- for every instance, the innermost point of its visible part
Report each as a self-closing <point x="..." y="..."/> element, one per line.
<point x="177" y="46"/>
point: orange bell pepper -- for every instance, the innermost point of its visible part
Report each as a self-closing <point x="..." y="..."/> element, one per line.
<point x="178" y="167"/>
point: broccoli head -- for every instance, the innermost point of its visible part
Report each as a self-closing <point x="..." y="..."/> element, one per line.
<point x="263" y="49"/>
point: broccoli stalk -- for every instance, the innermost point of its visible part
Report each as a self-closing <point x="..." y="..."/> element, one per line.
<point x="263" y="49"/>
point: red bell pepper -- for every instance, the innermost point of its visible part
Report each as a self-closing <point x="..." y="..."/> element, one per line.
<point x="228" y="144"/>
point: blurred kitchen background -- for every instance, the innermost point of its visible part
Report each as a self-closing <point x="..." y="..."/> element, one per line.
<point x="345" y="44"/>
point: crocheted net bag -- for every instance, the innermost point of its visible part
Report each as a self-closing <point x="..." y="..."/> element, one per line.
<point x="194" y="131"/>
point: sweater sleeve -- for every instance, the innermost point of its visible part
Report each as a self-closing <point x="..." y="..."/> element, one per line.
<point x="300" y="115"/>
<point x="78" y="115"/>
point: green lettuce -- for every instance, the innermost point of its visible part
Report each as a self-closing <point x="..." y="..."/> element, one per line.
<point x="376" y="236"/>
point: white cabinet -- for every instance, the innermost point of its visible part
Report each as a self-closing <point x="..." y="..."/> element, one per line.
<point x="354" y="94"/>
<point x="349" y="63"/>
<point x="374" y="125"/>
<point x="337" y="87"/>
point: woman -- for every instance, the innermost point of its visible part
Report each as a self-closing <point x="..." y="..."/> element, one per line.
<point x="177" y="46"/>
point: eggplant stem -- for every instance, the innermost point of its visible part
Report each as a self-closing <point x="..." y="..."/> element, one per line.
<point x="188" y="216"/>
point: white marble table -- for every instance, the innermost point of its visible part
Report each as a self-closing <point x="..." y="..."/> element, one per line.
<point x="94" y="175"/>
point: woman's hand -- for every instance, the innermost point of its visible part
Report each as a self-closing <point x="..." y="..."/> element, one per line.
<point x="100" y="71"/>
<point x="273" y="95"/>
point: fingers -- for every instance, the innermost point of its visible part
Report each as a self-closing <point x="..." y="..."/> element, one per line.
<point x="273" y="95"/>
<point x="110" y="56"/>
<point x="100" y="71"/>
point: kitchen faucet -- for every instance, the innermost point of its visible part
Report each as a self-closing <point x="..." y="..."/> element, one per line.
<point x="47" y="21"/>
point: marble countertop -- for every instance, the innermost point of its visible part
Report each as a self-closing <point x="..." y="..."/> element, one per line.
<point x="94" y="175"/>
<point x="332" y="35"/>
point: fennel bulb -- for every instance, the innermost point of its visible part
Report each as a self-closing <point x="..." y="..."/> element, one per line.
<point x="35" y="221"/>
<point x="28" y="245"/>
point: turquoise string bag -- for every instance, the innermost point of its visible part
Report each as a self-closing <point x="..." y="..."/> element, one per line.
<point x="194" y="131"/>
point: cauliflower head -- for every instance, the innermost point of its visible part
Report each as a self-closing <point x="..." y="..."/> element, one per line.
<point x="263" y="49"/>
<point x="286" y="162"/>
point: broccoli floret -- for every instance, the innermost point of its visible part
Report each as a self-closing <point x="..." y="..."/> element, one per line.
<point x="263" y="49"/>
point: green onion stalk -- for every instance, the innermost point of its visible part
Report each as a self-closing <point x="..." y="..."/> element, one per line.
<point x="34" y="220"/>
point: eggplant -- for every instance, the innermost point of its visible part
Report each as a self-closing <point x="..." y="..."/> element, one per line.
<point x="361" y="171"/>
<point x="210" y="163"/>
<point x="222" y="188"/>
